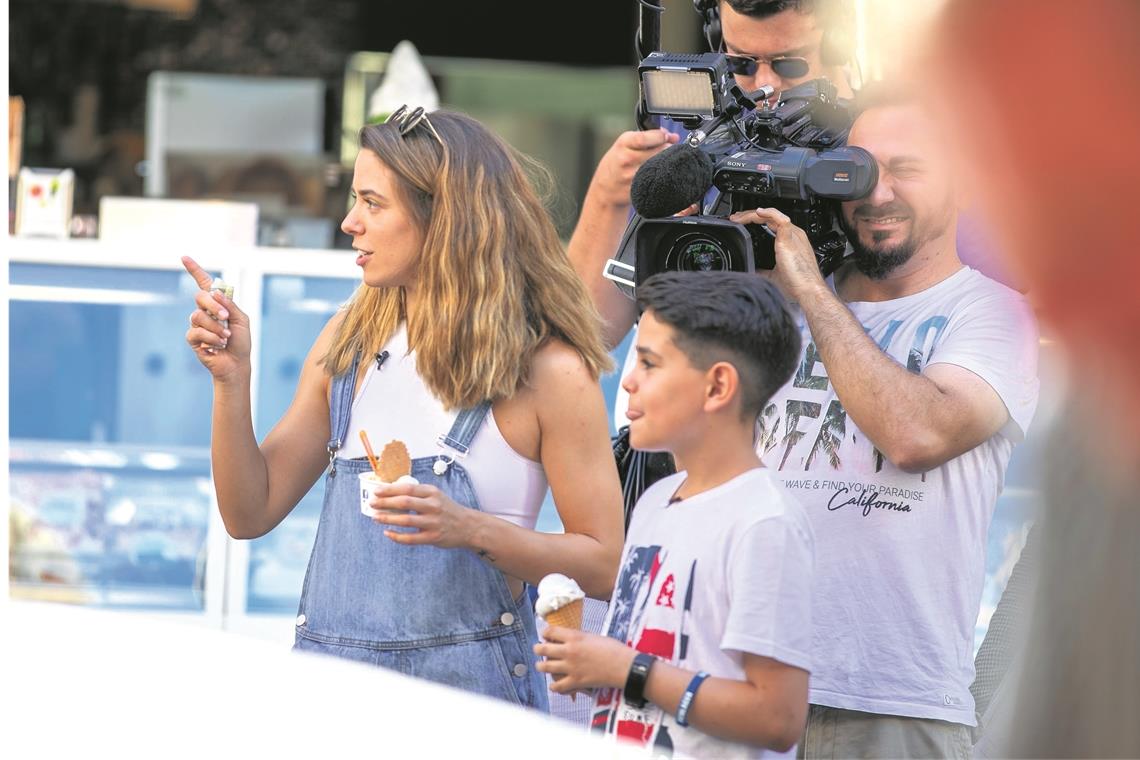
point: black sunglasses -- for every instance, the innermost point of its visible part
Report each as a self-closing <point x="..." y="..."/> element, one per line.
<point x="786" y="67"/>
<point x="406" y="121"/>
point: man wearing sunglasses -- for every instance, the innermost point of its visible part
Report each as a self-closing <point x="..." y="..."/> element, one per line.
<point x="780" y="43"/>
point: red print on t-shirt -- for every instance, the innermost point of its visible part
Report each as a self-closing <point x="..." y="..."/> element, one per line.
<point x="635" y="731"/>
<point x="665" y="598"/>
<point x="656" y="641"/>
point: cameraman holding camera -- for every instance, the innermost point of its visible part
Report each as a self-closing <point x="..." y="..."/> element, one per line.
<point x="780" y="43"/>
<point x="918" y="378"/>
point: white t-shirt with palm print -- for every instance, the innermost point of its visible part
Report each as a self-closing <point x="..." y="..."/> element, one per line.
<point x="901" y="557"/>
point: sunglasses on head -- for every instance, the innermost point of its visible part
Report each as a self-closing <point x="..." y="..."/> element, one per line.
<point x="786" y="67"/>
<point x="406" y="120"/>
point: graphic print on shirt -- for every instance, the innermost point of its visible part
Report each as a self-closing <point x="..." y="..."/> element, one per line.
<point x="805" y="431"/>
<point x="651" y="607"/>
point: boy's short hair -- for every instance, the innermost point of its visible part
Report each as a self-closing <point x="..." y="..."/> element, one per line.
<point x="728" y="316"/>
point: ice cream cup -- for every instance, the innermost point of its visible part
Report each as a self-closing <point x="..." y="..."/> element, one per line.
<point x="368" y="482"/>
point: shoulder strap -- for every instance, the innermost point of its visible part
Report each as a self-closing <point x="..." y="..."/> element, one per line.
<point x="466" y="425"/>
<point x="340" y="407"/>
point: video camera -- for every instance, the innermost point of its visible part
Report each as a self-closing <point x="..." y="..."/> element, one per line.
<point x="789" y="156"/>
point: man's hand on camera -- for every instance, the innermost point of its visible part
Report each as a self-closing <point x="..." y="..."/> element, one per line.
<point x="796" y="273"/>
<point x="616" y="169"/>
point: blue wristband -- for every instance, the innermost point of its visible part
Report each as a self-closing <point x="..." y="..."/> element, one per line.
<point x="687" y="698"/>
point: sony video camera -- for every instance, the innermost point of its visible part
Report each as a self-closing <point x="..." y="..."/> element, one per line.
<point x="738" y="155"/>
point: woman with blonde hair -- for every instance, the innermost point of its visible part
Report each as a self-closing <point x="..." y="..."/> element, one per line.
<point x="472" y="341"/>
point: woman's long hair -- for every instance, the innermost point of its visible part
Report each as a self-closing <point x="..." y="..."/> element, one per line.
<point x="493" y="280"/>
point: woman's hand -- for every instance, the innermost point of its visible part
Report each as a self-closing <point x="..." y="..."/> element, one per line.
<point x="581" y="661"/>
<point x="439" y="520"/>
<point x="223" y="351"/>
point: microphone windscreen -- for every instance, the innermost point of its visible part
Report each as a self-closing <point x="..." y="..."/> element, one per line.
<point x="671" y="181"/>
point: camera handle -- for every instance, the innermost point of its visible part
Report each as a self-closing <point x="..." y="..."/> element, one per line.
<point x="647" y="40"/>
<point x="610" y="272"/>
<point x="620" y="272"/>
<point x="734" y="108"/>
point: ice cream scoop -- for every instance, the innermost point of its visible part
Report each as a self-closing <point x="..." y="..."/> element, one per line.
<point x="560" y="601"/>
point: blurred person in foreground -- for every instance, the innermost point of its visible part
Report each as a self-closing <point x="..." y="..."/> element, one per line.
<point x="472" y="341"/>
<point x="1046" y="80"/>
<point x="917" y="379"/>
<point x="708" y="638"/>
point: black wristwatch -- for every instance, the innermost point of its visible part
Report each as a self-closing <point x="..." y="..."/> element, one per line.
<point x="635" y="683"/>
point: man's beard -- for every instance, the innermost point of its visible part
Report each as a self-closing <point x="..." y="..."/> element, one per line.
<point x="872" y="260"/>
<point x="877" y="263"/>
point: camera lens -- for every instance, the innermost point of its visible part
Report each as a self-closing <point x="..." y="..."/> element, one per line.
<point x="695" y="252"/>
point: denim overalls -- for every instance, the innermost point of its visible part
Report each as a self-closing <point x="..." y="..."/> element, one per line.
<point x="440" y="614"/>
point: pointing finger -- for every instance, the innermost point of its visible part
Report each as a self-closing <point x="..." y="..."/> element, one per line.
<point x="200" y="275"/>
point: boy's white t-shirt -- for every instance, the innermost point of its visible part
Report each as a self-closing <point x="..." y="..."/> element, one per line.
<point x="703" y="580"/>
<point x="901" y="557"/>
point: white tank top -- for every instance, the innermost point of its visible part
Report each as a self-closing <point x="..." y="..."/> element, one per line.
<point x="394" y="404"/>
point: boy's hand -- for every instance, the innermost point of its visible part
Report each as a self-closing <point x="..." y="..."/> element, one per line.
<point x="583" y="660"/>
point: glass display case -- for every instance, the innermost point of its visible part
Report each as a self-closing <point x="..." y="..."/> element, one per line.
<point x="109" y="460"/>
<point x="112" y="504"/>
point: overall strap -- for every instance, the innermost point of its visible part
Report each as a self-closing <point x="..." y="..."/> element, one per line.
<point x="340" y="408"/>
<point x="465" y="427"/>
